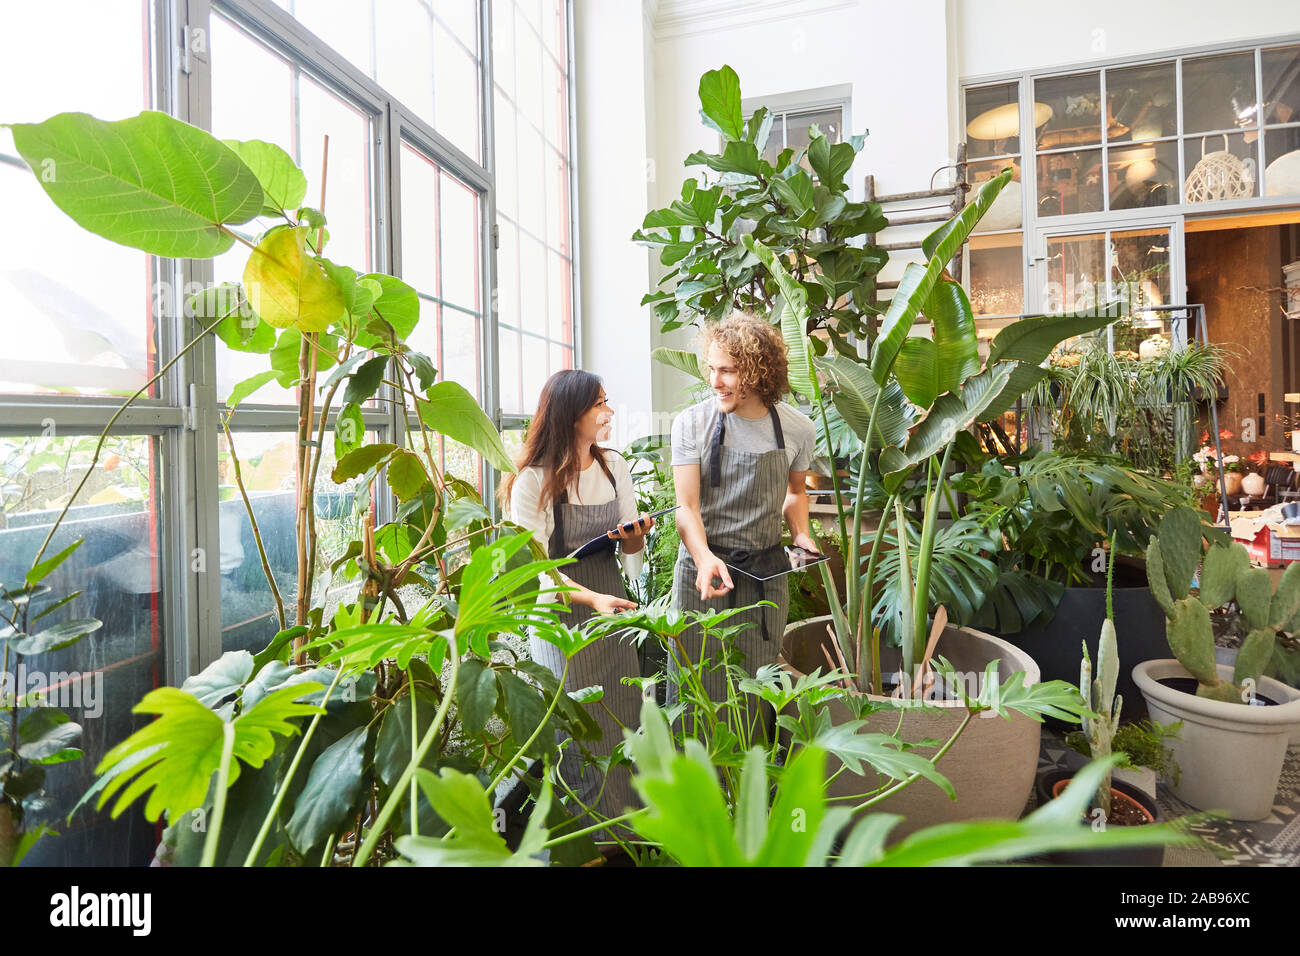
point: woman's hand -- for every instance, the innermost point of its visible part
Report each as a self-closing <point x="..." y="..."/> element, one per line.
<point x="710" y="568"/>
<point x="608" y="604"/>
<point x="641" y="527"/>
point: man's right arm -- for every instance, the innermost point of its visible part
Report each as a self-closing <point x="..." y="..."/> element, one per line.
<point x="690" y="525"/>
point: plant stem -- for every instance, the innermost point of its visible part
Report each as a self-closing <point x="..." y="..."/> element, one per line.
<point x="223" y="781"/>
<point x="103" y="435"/>
<point x="289" y="774"/>
<point x="252" y="522"/>
<point x="914" y="777"/>
<point x="868" y="595"/>
<point x="501" y="774"/>
<point x="835" y="479"/>
<point x="574" y="834"/>
<point x="390" y="804"/>
<point x="851" y="556"/>
<point x="924" y="559"/>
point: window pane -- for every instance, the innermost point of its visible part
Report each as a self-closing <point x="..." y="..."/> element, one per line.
<point x="456" y="92"/>
<point x="1281" y="71"/>
<point x="558" y="296"/>
<point x="532" y="283"/>
<point x="554" y="27"/>
<point x="1140" y="267"/>
<point x="405" y="26"/>
<point x="1075" y="273"/>
<point x="996" y="275"/>
<point x="1282" y="153"/>
<point x="503" y="45"/>
<point x="507" y="298"/>
<point x="1144" y="175"/>
<point x="1219" y="92"/>
<point x="535" y="370"/>
<point x="561" y="358"/>
<point x="460" y="349"/>
<point x="509" y="370"/>
<point x="267" y="466"/>
<point x="459" y="225"/>
<point x="557" y="202"/>
<point x="1069" y="182"/>
<point x="81" y="302"/>
<point x="1006" y="211"/>
<point x="257" y="94"/>
<point x="506" y="148"/>
<point x="98" y="680"/>
<point x="344" y="24"/>
<point x="555" y="125"/>
<point x="528" y="71"/>
<point x="461" y="16"/>
<point x="419" y="221"/>
<point x="532" y="181"/>
<point x="993" y="120"/>
<point x="1220" y="167"/>
<point x="1075" y="103"/>
<point x="1141" y="102"/>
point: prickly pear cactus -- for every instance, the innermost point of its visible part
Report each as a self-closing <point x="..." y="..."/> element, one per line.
<point x="1226" y="575"/>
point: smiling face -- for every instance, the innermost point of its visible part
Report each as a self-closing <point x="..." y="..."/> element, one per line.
<point x="594" y="425"/>
<point x="724" y="379"/>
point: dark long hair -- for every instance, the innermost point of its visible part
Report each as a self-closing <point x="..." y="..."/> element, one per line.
<point x="566" y="397"/>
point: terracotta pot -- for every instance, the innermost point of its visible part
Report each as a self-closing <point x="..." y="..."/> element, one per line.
<point x="992" y="764"/>
<point x="1233" y="480"/>
<point x="1253" y="484"/>
<point x="1050" y="786"/>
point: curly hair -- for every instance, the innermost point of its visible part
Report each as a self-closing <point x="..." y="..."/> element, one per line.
<point x="758" y="351"/>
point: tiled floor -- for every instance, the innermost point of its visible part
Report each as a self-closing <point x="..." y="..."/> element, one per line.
<point x="1274" y="841"/>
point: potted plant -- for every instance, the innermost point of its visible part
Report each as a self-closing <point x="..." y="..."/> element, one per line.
<point x="1233" y="473"/>
<point x="1235" y="721"/>
<point x="309" y="750"/>
<point x="1053" y="514"/>
<point x="1116" y="803"/>
<point x="779" y="239"/>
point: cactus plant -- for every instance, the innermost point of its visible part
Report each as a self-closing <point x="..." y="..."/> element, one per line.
<point x="1226" y="575"/>
<point x="1099" y="692"/>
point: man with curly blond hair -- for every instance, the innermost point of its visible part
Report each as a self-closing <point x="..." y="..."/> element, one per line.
<point x="739" y="462"/>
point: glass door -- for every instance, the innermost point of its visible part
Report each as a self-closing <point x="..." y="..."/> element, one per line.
<point x="1139" y="265"/>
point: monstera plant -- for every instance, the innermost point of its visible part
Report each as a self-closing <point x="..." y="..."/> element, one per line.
<point x="784" y="240"/>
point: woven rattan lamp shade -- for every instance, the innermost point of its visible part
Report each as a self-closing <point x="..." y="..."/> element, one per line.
<point x="1218" y="175"/>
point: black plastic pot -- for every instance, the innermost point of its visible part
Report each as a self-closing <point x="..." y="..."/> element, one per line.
<point x="1139" y="632"/>
<point x="1123" y="856"/>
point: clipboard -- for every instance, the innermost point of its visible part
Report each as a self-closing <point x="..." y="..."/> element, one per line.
<point x="602" y="542"/>
<point x="800" y="560"/>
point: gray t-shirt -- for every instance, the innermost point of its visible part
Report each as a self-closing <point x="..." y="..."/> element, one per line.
<point x="693" y="428"/>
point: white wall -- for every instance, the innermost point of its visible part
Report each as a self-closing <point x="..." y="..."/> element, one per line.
<point x="999" y="36"/>
<point x="893" y="55"/>
<point x="613" y="103"/>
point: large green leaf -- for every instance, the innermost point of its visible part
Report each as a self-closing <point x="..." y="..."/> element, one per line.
<point x="793" y="317"/>
<point x="47" y="736"/>
<point x="917" y="371"/>
<point x="855" y="395"/>
<point x="176" y="755"/>
<point x="333" y="788"/>
<point x="720" y="102"/>
<point x="951" y="413"/>
<point x="248" y="386"/>
<point x="830" y="162"/>
<point x="406" y="475"/>
<point x="475" y="840"/>
<point x="476" y="694"/>
<point x="150" y="181"/>
<point x="288" y="287"/>
<point x="221" y="679"/>
<point x="397" y="305"/>
<point x="61" y="635"/>
<point x="283" y="184"/>
<point x="911" y="295"/>
<point x="453" y="412"/>
<point x="956" y="345"/>
<point x="688" y="362"/>
<point x="947" y="240"/>
<point x="41" y="570"/>
<point x="361" y="460"/>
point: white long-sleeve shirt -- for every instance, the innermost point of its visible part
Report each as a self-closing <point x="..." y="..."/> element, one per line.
<point x="590" y="488"/>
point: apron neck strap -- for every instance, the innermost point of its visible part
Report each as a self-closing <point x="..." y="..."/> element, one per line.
<point x="719" y="433"/>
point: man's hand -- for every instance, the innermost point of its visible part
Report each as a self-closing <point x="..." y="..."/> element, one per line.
<point x="806" y="542"/>
<point x="710" y="568"/>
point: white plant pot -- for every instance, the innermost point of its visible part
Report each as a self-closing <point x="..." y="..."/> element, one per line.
<point x="1253" y="484"/>
<point x="1228" y="656"/>
<point x="1231" y="754"/>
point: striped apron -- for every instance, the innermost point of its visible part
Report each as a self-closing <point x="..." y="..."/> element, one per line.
<point x="741" y="498"/>
<point x="605" y="662"/>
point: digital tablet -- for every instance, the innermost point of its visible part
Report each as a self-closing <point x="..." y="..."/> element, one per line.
<point x="604" y="542"/>
<point x="799" y="560"/>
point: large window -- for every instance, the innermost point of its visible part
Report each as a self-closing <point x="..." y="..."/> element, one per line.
<point x="534" y="294"/>
<point x="401" y="90"/>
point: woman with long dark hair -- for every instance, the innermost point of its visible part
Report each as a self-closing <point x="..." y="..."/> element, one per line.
<point x="568" y="491"/>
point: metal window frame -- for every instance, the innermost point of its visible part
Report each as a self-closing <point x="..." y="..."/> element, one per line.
<point x="184" y="415"/>
<point x="1034" y="227"/>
